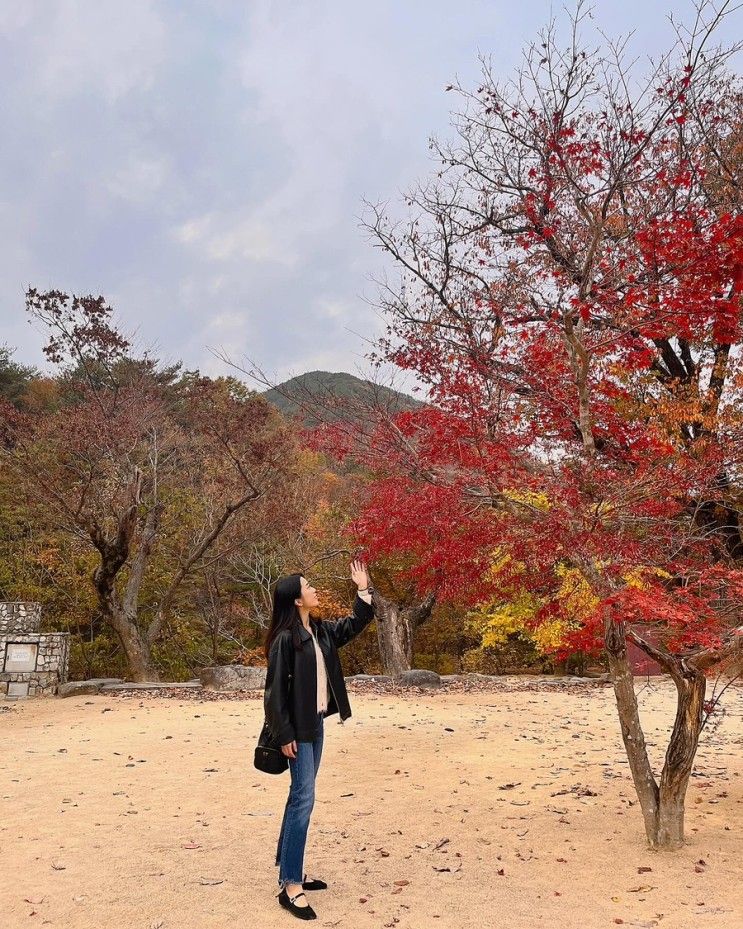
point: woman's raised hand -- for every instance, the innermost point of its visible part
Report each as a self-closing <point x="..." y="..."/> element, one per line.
<point x="359" y="574"/>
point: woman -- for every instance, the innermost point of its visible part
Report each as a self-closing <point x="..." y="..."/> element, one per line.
<point x="304" y="684"/>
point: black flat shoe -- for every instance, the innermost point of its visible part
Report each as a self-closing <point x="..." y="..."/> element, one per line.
<point x="301" y="912"/>
<point x="313" y="885"/>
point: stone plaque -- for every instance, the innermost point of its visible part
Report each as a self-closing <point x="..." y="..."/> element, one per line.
<point x="21" y="656"/>
<point x="17" y="688"/>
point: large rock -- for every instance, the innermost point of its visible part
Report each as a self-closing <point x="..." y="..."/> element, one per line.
<point x="233" y="677"/>
<point x="373" y="678"/>
<point x="419" y="678"/>
<point x="81" y="688"/>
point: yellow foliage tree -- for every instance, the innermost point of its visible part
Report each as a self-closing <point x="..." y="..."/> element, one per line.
<point x="499" y="623"/>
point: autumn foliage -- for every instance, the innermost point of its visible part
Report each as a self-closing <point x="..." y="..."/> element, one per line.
<point x="572" y="301"/>
<point x="569" y="295"/>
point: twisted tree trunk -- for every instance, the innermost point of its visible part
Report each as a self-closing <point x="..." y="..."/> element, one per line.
<point x="629" y="720"/>
<point x="115" y="550"/>
<point x="663" y="806"/>
<point x="396" y="627"/>
<point x="120" y="603"/>
<point x="137" y="648"/>
<point x="682" y="748"/>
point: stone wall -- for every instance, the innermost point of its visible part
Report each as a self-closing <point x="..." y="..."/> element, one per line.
<point x="50" y="663"/>
<point x="19" y="617"/>
<point x="233" y="677"/>
<point x="32" y="663"/>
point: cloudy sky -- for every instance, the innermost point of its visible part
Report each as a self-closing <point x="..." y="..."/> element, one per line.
<point x="202" y="163"/>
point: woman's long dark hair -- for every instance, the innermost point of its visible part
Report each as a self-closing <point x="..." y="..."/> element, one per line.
<point x="285" y="614"/>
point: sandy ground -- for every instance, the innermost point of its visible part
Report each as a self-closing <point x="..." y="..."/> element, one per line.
<point x="493" y="809"/>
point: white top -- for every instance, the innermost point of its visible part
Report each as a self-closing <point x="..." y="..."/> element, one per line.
<point x="322" y="678"/>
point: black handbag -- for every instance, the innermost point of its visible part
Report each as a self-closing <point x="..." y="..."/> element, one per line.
<point x="268" y="755"/>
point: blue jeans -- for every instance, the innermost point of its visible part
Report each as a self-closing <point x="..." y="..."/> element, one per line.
<point x="299" y="804"/>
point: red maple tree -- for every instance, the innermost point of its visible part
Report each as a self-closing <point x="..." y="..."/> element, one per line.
<point x="570" y="296"/>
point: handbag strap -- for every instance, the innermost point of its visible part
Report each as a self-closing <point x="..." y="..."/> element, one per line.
<point x="266" y="739"/>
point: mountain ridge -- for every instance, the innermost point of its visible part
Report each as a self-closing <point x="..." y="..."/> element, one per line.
<point x="333" y="385"/>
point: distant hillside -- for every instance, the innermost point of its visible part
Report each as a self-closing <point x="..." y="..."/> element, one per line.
<point x="331" y="385"/>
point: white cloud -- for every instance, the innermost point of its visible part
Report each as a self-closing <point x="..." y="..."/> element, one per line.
<point x="226" y="238"/>
<point x="332" y="309"/>
<point x="203" y="164"/>
<point x="15" y="17"/>
<point x="139" y="178"/>
<point x="106" y="48"/>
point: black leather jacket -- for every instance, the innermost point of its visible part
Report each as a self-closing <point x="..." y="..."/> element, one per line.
<point x="290" y="698"/>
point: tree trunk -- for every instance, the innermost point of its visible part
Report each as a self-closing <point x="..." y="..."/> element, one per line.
<point x="136" y="647"/>
<point x="662" y="807"/>
<point x="632" y="734"/>
<point x="395" y="631"/>
<point x="682" y="748"/>
<point x="114" y="551"/>
<point x="395" y="639"/>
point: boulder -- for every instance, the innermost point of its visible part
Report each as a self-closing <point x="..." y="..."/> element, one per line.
<point x="419" y="678"/>
<point x="374" y="678"/>
<point x="233" y="677"/>
<point x="81" y="688"/>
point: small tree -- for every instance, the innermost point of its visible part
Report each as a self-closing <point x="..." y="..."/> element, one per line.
<point x="14" y="377"/>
